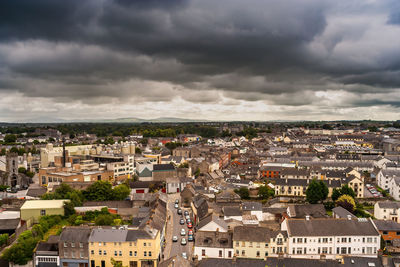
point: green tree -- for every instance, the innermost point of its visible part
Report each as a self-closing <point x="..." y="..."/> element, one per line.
<point x="3" y="152"/>
<point x="121" y="192"/>
<point x="138" y="150"/>
<point x="265" y="192"/>
<point x="347" y="190"/>
<point x="104" y="219"/>
<point x="243" y="192"/>
<point x="10" y="138"/>
<point x="69" y="208"/>
<point x="317" y="191"/>
<point x="336" y="194"/>
<point x="3" y="239"/>
<point x="346" y="202"/>
<point x="99" y="191"/>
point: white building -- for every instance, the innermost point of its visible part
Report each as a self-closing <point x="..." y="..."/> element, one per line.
<point x="213" y="245"/>
<point x="311" y="238"/>
<point x="387" y="210"/>
<point x="384" y="176"/>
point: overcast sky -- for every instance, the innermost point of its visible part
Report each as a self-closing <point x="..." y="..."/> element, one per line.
<point x="200" y="59"/>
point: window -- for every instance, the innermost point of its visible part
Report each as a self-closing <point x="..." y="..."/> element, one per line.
<point x="149" y="253"/>
<point x="145" y="253"/>
<point x="135" y="253"/>
<point x="72" y="244"/>
<point x="343" y="239"/>
<point x="243" y="244"/>
<point x="130" y="244"/>
<point x="65" y="254"/>
<point x="65" y="244"/>
<point x="99" y="251"/>
<point x="299" y="250"/>
<point x="115" y="253"/>
<point x="258" y="254"/>
<point x="72" y="254"/>
<point x="104" y="252"/>
<point x="130" y="253"/>
<point x="149" y="244"/>
<point x="81" y="254"/>
<point x="369" y="239"/>
<point x="120" y="253"/>
<point x="325" y="250"/>
<point x="104" y="243"/>
<point x="237" y="243"/>
<point x="343" y="250"/>
<point x="92" y="252"/>
<point x="385" y="232"/>
<point x="251" y="244"/>
<point x="220" y="253"/>
<point x="80" y="244"/>
<point x="229" y="254"/>
<point x="42" y="212"/>
<point x="243" y="253"/>
<point x="203" y="252"/>
<point x="144" y="244"/>
<point x="266" y="254"/>
<point x="266" y="245"/>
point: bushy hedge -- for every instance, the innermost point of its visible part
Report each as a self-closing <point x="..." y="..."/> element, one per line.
<point x="22" y="250"/>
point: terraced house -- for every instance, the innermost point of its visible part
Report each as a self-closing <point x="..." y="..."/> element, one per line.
<point x="133" y="248"/>
<point x="258" y="242"/>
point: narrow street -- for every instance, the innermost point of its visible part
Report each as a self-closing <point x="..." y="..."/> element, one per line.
<point x="174" y="229"/>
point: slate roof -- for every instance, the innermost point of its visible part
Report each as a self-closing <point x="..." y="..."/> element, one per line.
<point x="163" y="167"/>
<point x="342" y="213"/>
<point x="108" y="235"/>
<point x="331" y="227"/>
<point x="75" y="234"/>
<point x="232" y="211"/>
<point x="251" y="206"/>
<point x="213" y="239"/>
<point x="383" y="225"/>
<point x="134" y="235"/>
<point x="251" y="233"/>
<point x="389" y="204"/>
<point x="9" y="224"/>
<point x="303" y="210"/>
<point x="212" y="218"/>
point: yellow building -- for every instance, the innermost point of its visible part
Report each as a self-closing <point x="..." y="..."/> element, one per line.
<point x="298" y="187"/>
<point x="255" y="242"/>
<point x="133" y="248"/>
<point x="32" y="210"/>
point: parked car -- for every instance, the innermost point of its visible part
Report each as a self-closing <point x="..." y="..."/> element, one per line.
<point x="186" y="213"/>
<point x="188" y="221"/>
<point x="183" y="232"/>
<point x="190" y="232"/>
<point x="190" y="238"/>
<point x="184" y="255"/>
<point x="176" y="201"/>
<point x="187" y="217"/>
<point x="182" y="221"/>
<point x="176" y="206"/>
<point x="179" y="211"/>
<point x="189" y="225"/>
<point x="174" y="238"/>
<point x="183" y="241"/>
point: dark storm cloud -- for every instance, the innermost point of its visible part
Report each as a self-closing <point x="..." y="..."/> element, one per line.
<point x="281" y="52"/>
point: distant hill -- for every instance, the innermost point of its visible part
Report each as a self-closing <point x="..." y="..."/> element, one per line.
<point x="118" y="120"/>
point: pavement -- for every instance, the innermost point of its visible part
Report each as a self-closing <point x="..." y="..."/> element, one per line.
<point x="174" y="229"/>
